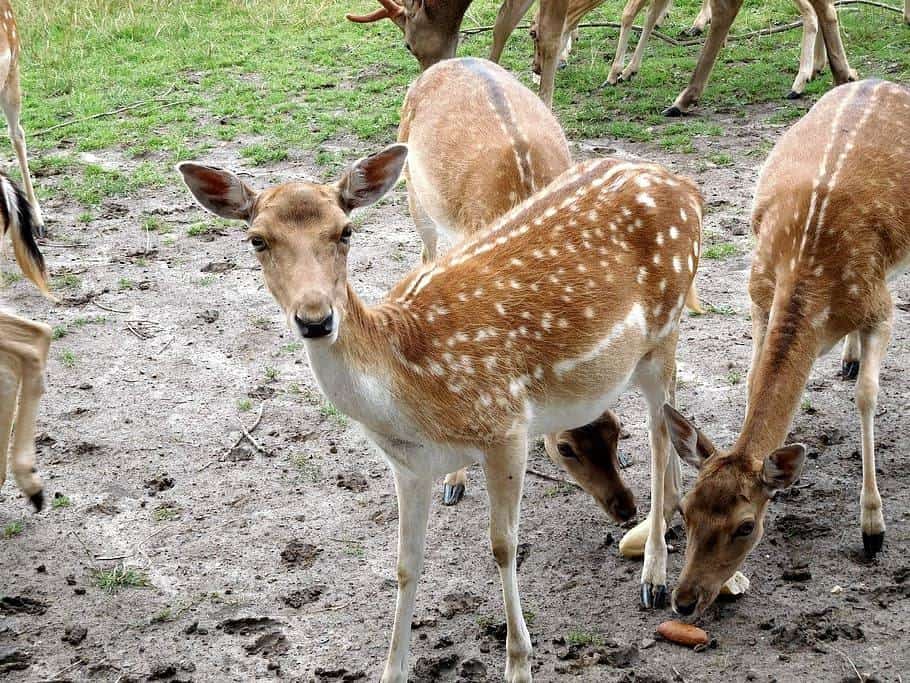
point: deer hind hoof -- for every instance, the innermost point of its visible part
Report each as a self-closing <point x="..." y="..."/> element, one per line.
<point x="562" y="65"/>
<point x="37" y="499"/>
<point x="673" y="112"/>
<point x="452" y="495"/>
<point x="849" y="370"/>
<point x="625" y="460"/>
<point x="793" y="95"/>
<point x="653" y="597"/>
<point x="872" y="543"/>
<point x="692" y="32"/>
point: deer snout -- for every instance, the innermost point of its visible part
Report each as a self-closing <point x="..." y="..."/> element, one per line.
<point x="685" y="601"/>
<point x="313" y="324"/>
<point x="622" y="508"/>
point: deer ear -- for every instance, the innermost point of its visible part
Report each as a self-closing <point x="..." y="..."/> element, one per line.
<point x="219" y="191"/>
<point x="370" y="178"/>
<point x="783" y="467"/>
<point x="690" y="444"/>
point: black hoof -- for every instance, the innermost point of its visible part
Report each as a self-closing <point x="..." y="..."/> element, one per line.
<point x="849" y="370"/>
<point x="872" y="543"/>
<point x="37" y="499"/>
<point x="793" y="95"/>
<point x="653" y="596"/>
<point x="673" y="112"/>
<point x="452" y="495"/>
<point x="40" y="231"/>
<point x="692" y="32"/>
<point x="562" y="65"/>
<point x="624" y="459"/>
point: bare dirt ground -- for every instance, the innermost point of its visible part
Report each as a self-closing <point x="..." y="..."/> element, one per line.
<point x="281" y="564"/>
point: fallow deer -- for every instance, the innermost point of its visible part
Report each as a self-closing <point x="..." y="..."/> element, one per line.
<point x="531" y="326"/>
<point x="24" y="345"/>
<point x="11" y="102"/>
<point x="431" y="30"/>
<point x="460" y="181"/>
<point x="832" y="219"/>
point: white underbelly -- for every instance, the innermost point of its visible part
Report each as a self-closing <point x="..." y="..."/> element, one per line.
<point x="548" y="418"/>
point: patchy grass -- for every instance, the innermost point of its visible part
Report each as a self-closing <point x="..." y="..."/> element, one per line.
<point x="68" y="359"/>
<point x="13" y="529"/>
<point x="293" y="77"/>
<point x="60" y="501"/>
<point x="721" y="251"/>
<point x="580" y="637"/>
<point x="120" y="577"/>
<point x="329" y="411"/>
<point x="244" y="405"/>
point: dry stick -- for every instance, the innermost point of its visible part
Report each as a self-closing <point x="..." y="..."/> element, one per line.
<point x="849" y="661"/>
<point x="107" y="308"/>
<point x="87" y="551"/>
<point x="113" y="112"/>
<point x="249" y="437"/>
<point x="687" y="43"/>
<point x="245" y="434"/>
<point x="551" y="478"/>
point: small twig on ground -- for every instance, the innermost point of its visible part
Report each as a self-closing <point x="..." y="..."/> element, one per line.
<point x="58" y="245"/>
<point x="88" y="552"/>
<point x="108" y="308"/>
<point x="56" y="676"/>
<point x="552" y="478"/>
<point x="113" y="112"/>
<point x="249" y="437"/>
<point x="330" y="608"/>
<point x="136" y="333"/>
<point x="244" y="434"/>
<point x="165" y="347"/>
<point x="110" y="558"/>
<point x="849" y="661"/>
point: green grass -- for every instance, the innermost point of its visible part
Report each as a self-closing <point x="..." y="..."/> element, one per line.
<point x="271" y="374"/>
<point x="113" y="580"/>
<point x="7" y="279"/>
<point x="68" y="359"/>
<point x="579" y="637"/>
<point x="12" y="529"/>
<point x="329" y="411"/>
<point x="60" y="501"/>
<point x="720" y="251"/>
<point x="734" y="377"/>
<point x="244" y="405"/>
<point x="282" y="78"/>
<point x="165" y="513"/>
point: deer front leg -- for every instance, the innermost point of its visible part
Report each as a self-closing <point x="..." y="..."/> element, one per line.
<point x="807" y="50"/>
<point x="874" y="342"/>
<point x="849" y="362"/>
<point x="425" y="226"/>
<point x="504" y="469"/>
<point x="10" y="100"/>
<point x="9" y="394"/>
<point x="759" y="330"/>
<point x="830" y="27"/>
<point x="629" y="12"/>
<point x="657" y="9"/>
<point x="723" y="12"/>
<point x="701" y="21"/>
<point x="454" y="487"/>
<point x="414" y="494"/>
<point x="510" y="13"/>
<point x="552" y="24"/>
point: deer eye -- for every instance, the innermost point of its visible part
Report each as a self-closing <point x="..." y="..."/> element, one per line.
<point x="744" y="529"/>
<point x="346" y="235"/>
<point x="566" y="451"/>
<point x="258" y="243"/>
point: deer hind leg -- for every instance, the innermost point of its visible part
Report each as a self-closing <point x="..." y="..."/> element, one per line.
<point x="510" y="13"/>
<point x="701" y="21"/>
<point x="830" y="27"/>
<point x="874" y="342"/>
<point x="657" y="8"/>
<point x="807" y="49"/>
<point x="11" y="101"/>
<point x="629" y="12"/>
<point x="504" y="469"/>
<point x="425" y="226"/>
<point x="820" y="60"/>
<point x="723" y="12"/>
<point x="655" y="375"/>
<point x="850" y="357"/>
<point x="414" y="494"/>
<point x="454" y="487"/>
<point x="28" y="343"/>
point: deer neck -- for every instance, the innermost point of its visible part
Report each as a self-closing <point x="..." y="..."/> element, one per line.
<point x="354" y="372"/>
<point x="791" y="345"/>
<point x="449" y="12"/>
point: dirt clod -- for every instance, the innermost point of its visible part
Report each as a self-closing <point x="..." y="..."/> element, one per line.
<point x="352" y="481"/>
<point x="247" y="625"/>
<point x="74" y="635"/>
<point x="304" y="596"/>
<point x="12" y="604"/>
<point x="13" y="659"/>
<point x="300" y="554"/>
<point x="430" y="669"/>
<point x="269" y="645"/>
<point x="338" y="674"/>
<point x="159" y="483"/>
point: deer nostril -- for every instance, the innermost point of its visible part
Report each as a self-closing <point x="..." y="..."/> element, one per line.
<point x="313" y="329"/>
<point x="684" y="608"/>
<point x="407" y="46"/>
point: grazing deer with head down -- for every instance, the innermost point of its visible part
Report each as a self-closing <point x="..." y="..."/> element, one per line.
<point x="832" y="218"/>
<point x="24" y="346"/>
<point x="11" y="102"/>
<point x="531" y="326"/>
<point x="431" y="29"/>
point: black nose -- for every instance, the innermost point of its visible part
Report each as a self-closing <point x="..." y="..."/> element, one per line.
<point x="685" y="608"/>
<point x="314" y="329"/>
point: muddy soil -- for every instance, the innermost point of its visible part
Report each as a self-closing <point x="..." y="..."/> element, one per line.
<point x="278" y="563"/>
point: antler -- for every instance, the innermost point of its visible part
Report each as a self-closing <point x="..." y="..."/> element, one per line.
<point x="389" y="10"/>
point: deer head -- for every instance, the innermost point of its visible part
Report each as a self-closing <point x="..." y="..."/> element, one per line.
<point x="301" y="232"/>
<point x="430" y="27"/>
<point x="725" y="510"/>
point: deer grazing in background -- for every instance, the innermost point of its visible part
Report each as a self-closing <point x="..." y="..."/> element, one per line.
<point x="24" y="346"/>
<point x="531" y="326"/>
<point x="11" y="102"/>
<point x="431" y="30"/>
<point x="832" y="218"/>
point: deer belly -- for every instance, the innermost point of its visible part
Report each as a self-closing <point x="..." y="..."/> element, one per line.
<point x="554" y="416"/>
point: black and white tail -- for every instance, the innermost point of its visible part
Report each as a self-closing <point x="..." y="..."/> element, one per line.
<point x="19" y="221"/>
